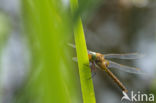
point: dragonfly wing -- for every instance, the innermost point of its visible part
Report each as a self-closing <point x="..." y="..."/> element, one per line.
<point x="73" y="46"/>
<point x="123" y="56"/>
<point x="74" y="59"/>
<point x="125" y="68"/>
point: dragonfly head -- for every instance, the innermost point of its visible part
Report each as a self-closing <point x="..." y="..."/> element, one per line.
<point x="92" y="56"/>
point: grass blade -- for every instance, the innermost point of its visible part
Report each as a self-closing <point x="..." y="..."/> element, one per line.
<point x="84" y="71"/>
<point x="52" y="78"/>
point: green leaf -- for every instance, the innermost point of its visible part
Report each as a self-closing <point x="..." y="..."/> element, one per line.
<point x="52" y="78"/>
<point x="84" y="70"/>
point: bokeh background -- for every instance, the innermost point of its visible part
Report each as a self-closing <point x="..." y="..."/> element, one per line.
<point x="110" y="26"/>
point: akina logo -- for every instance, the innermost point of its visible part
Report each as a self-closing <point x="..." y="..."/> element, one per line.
<point x="134" y="97"/>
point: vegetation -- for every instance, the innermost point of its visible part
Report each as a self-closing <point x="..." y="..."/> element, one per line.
<point x="53" y="77"/>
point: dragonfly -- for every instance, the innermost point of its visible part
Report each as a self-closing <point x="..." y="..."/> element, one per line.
<point x="102" y="61"/>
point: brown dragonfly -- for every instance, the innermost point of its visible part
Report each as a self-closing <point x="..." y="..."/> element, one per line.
<point x="102" y="61"/>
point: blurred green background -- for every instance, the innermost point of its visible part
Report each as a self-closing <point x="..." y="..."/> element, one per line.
<point x="36" y="63"/>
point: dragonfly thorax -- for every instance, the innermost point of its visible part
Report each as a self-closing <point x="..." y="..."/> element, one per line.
<point x="100" y="59"/>
<point x="106" y="63"/>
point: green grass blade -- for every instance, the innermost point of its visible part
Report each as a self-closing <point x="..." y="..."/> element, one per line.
<point x="84" y="70"/>
<point x="52" y="79"/>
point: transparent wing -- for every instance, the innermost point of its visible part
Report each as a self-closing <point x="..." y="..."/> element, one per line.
<point x="125" y="68"/>
<point x="74" y="59"/>
<point x="73" y="46"/>
<point x="124" y="56"/>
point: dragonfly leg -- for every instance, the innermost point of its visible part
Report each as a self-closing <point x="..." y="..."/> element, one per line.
<point x="92" y="66"/>
<point x="93" y="69"/>
<point x="93" y="74"/>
